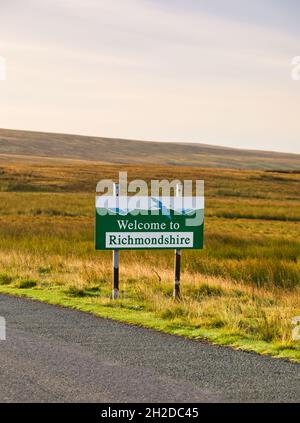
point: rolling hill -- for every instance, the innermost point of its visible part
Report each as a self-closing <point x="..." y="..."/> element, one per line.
<point x="121" y="151"/>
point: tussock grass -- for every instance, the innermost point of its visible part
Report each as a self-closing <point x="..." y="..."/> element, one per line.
<point x="27" y="283"/>
<point x="74" y="291"/>
<point x="5" y="279"/>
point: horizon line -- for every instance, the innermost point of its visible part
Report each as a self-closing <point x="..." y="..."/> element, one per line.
<point x="190" y="143"/>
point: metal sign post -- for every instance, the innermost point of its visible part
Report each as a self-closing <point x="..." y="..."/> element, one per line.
<point x="177" y="274"/>
<point x="115" y="292"/>
<point x="176" y="293"/>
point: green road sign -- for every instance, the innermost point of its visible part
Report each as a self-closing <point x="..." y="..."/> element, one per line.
<point x="133" y="223"/>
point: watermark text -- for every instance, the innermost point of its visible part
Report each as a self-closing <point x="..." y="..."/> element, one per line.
<point x="295" y="68"/>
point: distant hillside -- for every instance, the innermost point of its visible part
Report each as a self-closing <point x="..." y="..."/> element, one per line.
<point x="110" y="150"/>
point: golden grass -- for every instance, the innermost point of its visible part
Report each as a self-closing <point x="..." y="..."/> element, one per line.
<point x="244" y="285"/>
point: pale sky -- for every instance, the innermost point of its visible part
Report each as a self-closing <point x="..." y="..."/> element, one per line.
<point x="216" y="71"/>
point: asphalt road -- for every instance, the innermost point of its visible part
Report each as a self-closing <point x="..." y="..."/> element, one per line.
<point x="54" y="354"/>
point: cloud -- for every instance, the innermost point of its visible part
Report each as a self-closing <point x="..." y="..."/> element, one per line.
<point x="132" y="68"/>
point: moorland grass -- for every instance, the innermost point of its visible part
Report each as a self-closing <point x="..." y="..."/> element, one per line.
<point x="243" y="289"/>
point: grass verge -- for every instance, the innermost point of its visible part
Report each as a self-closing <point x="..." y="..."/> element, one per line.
<point x="127" y="311"/>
